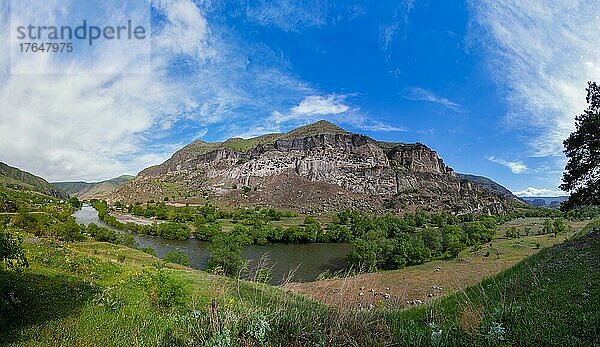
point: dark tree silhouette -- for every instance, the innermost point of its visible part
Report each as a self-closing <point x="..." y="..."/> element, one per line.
<point x="582" y="173"/>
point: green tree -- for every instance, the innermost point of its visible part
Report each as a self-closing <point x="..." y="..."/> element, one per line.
<point x="582" y="148"/>
<point x="74" y="201"/>
<point x="548" y="226"/>
<point x="363" y="255"/>
<point x="12" y="253"/>
<point x="225" y="254"/>
<point x="559" y="226"/>
<point x="173" y="231"/>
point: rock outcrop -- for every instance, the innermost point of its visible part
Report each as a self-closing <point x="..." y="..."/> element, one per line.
<point x="318" y="171"/>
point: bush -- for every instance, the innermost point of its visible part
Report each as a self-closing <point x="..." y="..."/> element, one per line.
<point x="68" y="231"/>
<point x="149" y="250"/>
<point x="225" y="254"/>
<point x="127" y="240"/>
<point x="173" y="231"/>
<point x="165" y="289"/>
<point x="74" y="202"/>
<point x="102" y="234"/>
<point x="178" y="257"/>
<point x="512" y="233"/>
<point x="11" y="250"/>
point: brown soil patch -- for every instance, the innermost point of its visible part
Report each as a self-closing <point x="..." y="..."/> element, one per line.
<point x="401" y="288"/>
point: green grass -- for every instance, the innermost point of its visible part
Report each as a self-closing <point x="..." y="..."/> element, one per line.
<point x="551" y="298"/>
<point x="244" y="145"/>
<point x="93" y="293"/>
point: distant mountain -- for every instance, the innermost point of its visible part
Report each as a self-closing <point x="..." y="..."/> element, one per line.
<point x="551" y="202"/>
<point x="95" y="190"/>
<point x="487" y="183"/>
<point x="318" y="167"/>
<point x="11" y="177"/>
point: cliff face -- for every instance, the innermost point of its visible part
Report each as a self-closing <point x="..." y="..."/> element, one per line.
<point x="320" y="172"/>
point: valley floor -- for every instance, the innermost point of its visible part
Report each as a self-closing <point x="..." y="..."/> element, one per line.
<point x="421" y="283"/>
<point x="98" y="294"/>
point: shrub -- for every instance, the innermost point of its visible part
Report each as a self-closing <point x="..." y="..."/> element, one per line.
<point x="225" y="254"/>
<point x="178" y="257"/>
<point x="102" y="234"/>
<point x="127" y="240"/>
<point x="149" y="250"/>
<point x="68" y="231"/>
<point x="11" y="250"/>
<point x="165" y="289"/>
<point x="173" y="231"/>
<point x="512" y="233"/>
<point x="74" y="202"/>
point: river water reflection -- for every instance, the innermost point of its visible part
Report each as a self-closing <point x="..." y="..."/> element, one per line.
<point x="305" y="261"/>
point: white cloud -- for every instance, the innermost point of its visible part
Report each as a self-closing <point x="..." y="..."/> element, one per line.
<point x="315" y="107"/>
<point x="187" y="31"/>
<point x="293" y="15"/>
<point x="539" y="192"/>
<point x="516" y="167"/>
<point x="79" y="125"/>
<point x="421" y="94"/>
<point x="543" y="53"/>
<point x="312" y="106"/>
<point x="96" y="126"/>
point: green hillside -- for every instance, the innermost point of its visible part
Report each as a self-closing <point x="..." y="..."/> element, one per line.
<point x="94" y="190"/>
<point x="549" y="299"/>
<point x="11" y="177"/>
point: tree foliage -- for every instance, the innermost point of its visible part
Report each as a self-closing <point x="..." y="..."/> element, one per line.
<point x="12" y="253"/>
<point x="582" y="148"/>
<point x="225" y="254"/>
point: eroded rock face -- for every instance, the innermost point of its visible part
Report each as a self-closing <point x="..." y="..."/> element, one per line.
<point x="400" y="176"/>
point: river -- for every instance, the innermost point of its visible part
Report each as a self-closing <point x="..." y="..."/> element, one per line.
<point x="294" y="262"/>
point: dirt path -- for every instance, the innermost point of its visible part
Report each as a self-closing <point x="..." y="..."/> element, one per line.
<point x="424" y="282"/>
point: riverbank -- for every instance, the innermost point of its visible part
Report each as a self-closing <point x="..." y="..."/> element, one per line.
<point x="286" y="262"/>
<point x="127" y="218"/>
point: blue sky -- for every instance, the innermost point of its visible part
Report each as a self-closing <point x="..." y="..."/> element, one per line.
<point x="493" y="86"/>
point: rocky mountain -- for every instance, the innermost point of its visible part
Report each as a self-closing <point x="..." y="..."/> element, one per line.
<point x="318" y="168"/>
<point x="11" y="177"/>
<point x="96" y="190"/>
<point x="488" y="184"/>
<point x="550" y="202"/>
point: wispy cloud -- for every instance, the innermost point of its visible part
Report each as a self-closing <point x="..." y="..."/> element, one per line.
<point x="398" y="26"/>
<point x="421" y="94"/>
<point x="542" y="53"/>
<point x="292" y="15"/>
<point x="516" y="167"/>
<point x="538" y="192"/>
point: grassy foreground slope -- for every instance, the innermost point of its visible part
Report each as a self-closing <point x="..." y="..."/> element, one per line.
<point x="549" y="299"/>
<point x="99" y="294"/>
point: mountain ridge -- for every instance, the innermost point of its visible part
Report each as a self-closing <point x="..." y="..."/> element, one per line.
<point x="319" y="167"/>
<point x="92" y="190"/>
<point x="488" y="183"/>
<point x="15" y="178"/>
